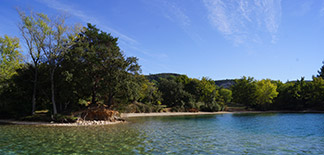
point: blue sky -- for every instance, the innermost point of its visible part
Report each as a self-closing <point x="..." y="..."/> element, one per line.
<point x="219" y="39"/>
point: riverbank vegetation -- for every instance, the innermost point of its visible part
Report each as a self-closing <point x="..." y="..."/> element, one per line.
<point x="65" y="69"/>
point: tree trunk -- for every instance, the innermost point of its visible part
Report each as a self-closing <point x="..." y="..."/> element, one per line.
<point x="110" y="101"/>
<point x="53" y="91"/>
<point x="34" y="90"/>
<point x="94" y="94"/>
<point x="61" y="107"/>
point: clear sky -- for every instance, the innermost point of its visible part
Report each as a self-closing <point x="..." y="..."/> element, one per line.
<point x="219" y="39"/>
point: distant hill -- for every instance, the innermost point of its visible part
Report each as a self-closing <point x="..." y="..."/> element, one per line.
<point x="157" y="77"/>
<point x="225" y="83"/>
<point x="221" y="83"/>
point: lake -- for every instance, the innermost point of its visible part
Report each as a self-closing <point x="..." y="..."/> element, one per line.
<point x="266" y="133"/>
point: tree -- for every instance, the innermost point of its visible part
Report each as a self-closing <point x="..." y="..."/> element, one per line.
<point x="18" y="90"/>
<point x="226" y="95"/>
<point x="149" y="93"/>
<point x="313" y="94"/>
<point x="10" y="62"/>
<point x="47" y="37"/>
<point x="10" y="58"/>
<point x="103" y="67"/>
<point x="31" y="28"/>
<point x="58" y="41"/>
<point x="321" y="71"/>
<point x="296" y="95"/>
<point x="265" y="93"/>
<point x="208" y="90"/>
<point x="244" y="91"/>
<point x="172" y="92"/>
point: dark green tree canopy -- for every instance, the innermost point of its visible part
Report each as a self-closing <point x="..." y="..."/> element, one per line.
<point x="244" y="91"/>
<point x="321" y="72"/>
<point x="99" y="66"/>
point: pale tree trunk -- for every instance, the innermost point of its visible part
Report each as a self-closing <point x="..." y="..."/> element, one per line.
<point x="53" y="91"/>
<point x="34" y="90"/>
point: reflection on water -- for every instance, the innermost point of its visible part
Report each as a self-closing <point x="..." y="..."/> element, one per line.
<point x="273" y="133"/>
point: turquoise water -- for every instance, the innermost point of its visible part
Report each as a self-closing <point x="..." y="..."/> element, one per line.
<point x="271" y="133"/>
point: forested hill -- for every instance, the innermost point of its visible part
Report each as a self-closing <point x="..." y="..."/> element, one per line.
<point x="156" y="77"/>
<point x="225" y="83"/>
<point x="221" y="83"/>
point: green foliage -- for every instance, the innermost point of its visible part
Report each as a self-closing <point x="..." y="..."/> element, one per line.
<point x="226" y="95"/>
<point x="58" y="118"/>
<point x="149" y="93"/>
<point x="173" y="93"/>
<point x="14" y="100"/>
<point x="193" y="87"/>
<point x="311" y="93"/>
<point x="182" y="93"/>
<point x="90" y="69"/>
<point x="265" y="93"/>
<point x="100" y="68"/>
<point x="157" y="77"/>
<point x="137" y="107"/>
<point x="10" y="62"/>
<point x="228" y="83"/>
<point x="254" y="94"/>
<point x="10" y="57"/>
<point x="211" y="107"/>
<point x="244" y="91"/>
<point x="289" y="97"/>
<point x="208" y="91"/>
<point x="321" y="72"/>
<point x="34" y="30"/>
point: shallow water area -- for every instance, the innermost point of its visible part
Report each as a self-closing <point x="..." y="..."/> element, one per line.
<point x="257" y="133"/>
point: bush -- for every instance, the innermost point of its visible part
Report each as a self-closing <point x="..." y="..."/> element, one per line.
<point x="178" y="109"/>
<point x="212" y="107"/>
<point x="137" y="107"/>
<point x="64" y="118"/>
<point x="191" y="105"/>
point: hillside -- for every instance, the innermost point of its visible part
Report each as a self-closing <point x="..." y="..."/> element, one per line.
<point x="227" y="83"/>
<point x="156" y="77"/>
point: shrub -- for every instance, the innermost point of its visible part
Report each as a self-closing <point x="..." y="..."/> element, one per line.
<point x="137" y="107"/>
<point x="211" y="107"/>
<point x="64" y="118"/>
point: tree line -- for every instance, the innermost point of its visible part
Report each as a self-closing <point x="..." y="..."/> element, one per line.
<point x="68" y="68"/>
<point x="276" y="95"/>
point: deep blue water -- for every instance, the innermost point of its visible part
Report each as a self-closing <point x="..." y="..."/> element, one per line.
<point x="268" y="133"/>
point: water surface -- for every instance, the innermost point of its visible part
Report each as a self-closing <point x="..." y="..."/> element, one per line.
<point x="270" y="133"/>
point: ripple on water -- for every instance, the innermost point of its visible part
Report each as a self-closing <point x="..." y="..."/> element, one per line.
<point x="213" y="134"/>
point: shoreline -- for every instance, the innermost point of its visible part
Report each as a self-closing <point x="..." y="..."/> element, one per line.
<point x="153" y="114"/>
<point x="83" y="123"/>
<point x="131" y="115"/>
<point x="128" y="115"/>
